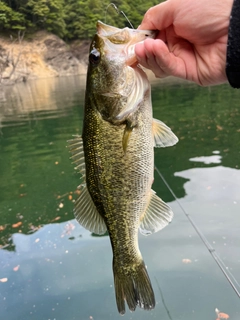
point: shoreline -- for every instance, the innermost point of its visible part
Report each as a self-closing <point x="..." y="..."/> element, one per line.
<point x="44" y="55"/>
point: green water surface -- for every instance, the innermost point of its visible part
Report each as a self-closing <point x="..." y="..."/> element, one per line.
<point x="52" y="268"/>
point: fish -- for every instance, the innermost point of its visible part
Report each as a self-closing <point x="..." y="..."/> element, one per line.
<point x="115" y="156"/>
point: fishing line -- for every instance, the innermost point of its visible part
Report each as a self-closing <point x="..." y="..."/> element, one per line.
<point x="127" y="19"/>
<point x="163" y="301"/>
<point x="118" y="12"/>
<point x="227" y="273"/>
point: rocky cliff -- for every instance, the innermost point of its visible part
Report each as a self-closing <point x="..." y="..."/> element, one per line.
<point x="40" y="56"/>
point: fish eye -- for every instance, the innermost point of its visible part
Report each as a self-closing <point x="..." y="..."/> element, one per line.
<point x="94" y="57"/>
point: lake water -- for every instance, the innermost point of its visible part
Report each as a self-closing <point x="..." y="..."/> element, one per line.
<point x="52" y="268"/>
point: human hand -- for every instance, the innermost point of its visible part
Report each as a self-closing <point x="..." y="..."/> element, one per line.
<point x="192" y="40"/>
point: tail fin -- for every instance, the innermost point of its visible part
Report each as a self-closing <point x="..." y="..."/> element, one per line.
<point x="132" y="284"/>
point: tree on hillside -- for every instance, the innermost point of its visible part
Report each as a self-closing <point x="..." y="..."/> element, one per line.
<point x="81" y="17"/>
<point x="70" y="19"/>
<point x="46" y="14"/>
<point x="10" y="19"/>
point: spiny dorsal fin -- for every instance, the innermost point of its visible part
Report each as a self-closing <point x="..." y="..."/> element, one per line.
<point x="163" y="135"/>
<point x="85" y="210"/>
<point x="86" y="213"/>
<point x="76" y="148"/>
<point x="157" y="216"/>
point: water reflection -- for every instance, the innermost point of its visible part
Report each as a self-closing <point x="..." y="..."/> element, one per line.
<point x="213" y="200"/>
<point x="214" y="203"/>
<point x="40" y="99"/>
<point x="207" y="160"/>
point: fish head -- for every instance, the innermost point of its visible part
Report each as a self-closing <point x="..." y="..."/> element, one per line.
<point x="119" y="43"/>
<point x="115" y="81"/>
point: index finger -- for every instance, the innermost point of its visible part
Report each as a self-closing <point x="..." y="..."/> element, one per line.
<point x="158" y="17"/>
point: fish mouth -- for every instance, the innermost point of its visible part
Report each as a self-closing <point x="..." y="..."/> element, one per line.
<point x="107" y="30"/>
<point x="126" y="38"/>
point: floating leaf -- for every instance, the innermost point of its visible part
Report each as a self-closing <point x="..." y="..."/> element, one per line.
<point x="22" y="195"/>
<point x="16" y="268"/>
<point x="186" y="261"/>
<point x="219" y="127"/>
<point x="16" y="225"/>
<point x="222" y="315"/>
<point x="56" y="219"/>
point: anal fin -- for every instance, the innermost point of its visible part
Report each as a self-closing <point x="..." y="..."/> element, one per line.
<point x="157" y="216"/>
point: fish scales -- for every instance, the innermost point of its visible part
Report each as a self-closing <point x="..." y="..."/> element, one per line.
<point x="121" y="179"/>
<point x="118" y="140"/>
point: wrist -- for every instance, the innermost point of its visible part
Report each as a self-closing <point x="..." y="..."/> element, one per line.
<point x="233" y="47"/>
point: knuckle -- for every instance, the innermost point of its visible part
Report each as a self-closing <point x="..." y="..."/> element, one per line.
<point x="149" y="14"/>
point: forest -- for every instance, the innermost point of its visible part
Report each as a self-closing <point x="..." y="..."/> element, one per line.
<point x="68" y="19"/>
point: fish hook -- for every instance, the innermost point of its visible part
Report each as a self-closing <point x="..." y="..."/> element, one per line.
<point x="118" y="12"/>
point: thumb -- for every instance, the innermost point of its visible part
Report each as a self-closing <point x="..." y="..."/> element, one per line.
<point x="158" y="17"/>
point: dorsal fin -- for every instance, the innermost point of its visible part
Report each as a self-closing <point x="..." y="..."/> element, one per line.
<point x="157" y="216"/>
<point x="163" y="135"/>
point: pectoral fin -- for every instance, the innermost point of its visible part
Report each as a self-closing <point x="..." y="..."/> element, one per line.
<point x="157" y="216"/>
<point x="126" y="136"/>
<point x="163" y="135"/>
<point x="85" y="210"/>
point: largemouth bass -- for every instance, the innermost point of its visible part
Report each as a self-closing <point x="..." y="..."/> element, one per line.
<point x="115" y="155"/>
